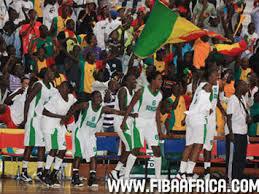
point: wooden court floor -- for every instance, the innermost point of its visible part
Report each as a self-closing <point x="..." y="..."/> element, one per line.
<point x="11" y="186"/>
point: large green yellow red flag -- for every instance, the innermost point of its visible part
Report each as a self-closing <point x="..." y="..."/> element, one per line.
<point x="162" y="27"/>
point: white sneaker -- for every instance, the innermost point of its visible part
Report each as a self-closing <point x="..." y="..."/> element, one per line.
<point x="114" y="174"/>
<point x="180" y="176"/>
<point x="26" y="178"/>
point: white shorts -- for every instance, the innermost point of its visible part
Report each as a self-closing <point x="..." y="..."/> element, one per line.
<point x="195" y="132"/>
<point x="211" y="133"/>
<point x="55" y="140"/>
<point x="144" y="129"/>
<point x="33" y="134"/>
<point x="84" y="145"/>
<point x="125" y="136"/>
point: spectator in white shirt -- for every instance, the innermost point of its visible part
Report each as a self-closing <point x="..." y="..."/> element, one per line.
<point x="236" y="132"/>
<point x="22" y="7"/>
<point x="255" y="17"/>
<point x="50" y="11"/>
<point x="4" y="17"/>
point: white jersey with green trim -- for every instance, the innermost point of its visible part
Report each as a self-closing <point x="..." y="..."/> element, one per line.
<point x="38" y="102"/>
<point x="213" y="96"/>
<point x="88" y="120"/>
<point x="200" y="106"/>
<point x="56" y="105"/>
<point x="128" y="98"/>
<point x="148" y="103"/>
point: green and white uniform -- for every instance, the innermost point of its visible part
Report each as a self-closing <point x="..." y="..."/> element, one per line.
<point x="54" y="133"/>
<point x="84" y="140"/>
<point x="212" y="122"/>
<point x="33" y="132"/>
<point x="125" y="136"/>
<point x="145" y="126"/>
<point x="197" y="116"/>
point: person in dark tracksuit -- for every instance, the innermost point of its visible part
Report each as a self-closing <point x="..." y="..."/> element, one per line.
<point x="236" y="132"/>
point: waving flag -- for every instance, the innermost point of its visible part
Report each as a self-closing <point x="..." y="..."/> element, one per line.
<point x="164" y="26"/>
<point x="232" y="49"/>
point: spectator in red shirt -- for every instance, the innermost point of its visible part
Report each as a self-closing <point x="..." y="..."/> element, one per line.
<point x="29" y="32"/>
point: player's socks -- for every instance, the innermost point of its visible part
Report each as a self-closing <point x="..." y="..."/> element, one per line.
<point x="40" y="175"/>
<point x="182" y="171"/>
<point x="24" y="176"/>
<point x="49" y="162"/>
<point x="183" y="167"/>
<point x="190" y="168"/>
<point x="157" y="164"/>
<point x="129" y="165"/>
<point x="119" y="166"/>
<point x="207" y="166"/>
<point x="58" y="163"/>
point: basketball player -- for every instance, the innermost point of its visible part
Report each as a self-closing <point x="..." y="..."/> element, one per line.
<point x="54" y="133"/>
<point x="212" y="125"/>
<point x="33" y="108"/>
<point x="124" y="97"/>
<point x="196" y="125"/>
<point x="146" y="102"/>
<point x="84" y="140"/>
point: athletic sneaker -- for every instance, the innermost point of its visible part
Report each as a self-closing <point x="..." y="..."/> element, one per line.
<point x="92" y="182"/>
<point x="40" y="176"/>
<point x="25" y="177"/>
<point x="180" y="176"/>
<point x="114" y="174"/>
<point x="76" y="181"/>
<point x="48" y="180"/>
<point x="55" y="181"/>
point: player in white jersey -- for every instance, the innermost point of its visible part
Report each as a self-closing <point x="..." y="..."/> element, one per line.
<point x="124" y="97"/>
<point x="34" y="105"/>
<point x="84" y="140"/>
<point x="196" y="124"/>
<point x="147" y="126"/>
<point x="54" y="133"/>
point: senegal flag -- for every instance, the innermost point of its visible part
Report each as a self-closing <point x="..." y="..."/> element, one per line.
<point x="164" y="26"/>
<point x="232" y="49"/>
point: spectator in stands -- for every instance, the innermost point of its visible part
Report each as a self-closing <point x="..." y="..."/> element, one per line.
<point x="4" y="16"/>
<point x="46" y="42"/>
<point x="11" y="113"/>
<point x="50" y="11"/>
<point x="236" y="133"/>
<point x="86" y="19"/>
<point x="109" y="101"/>
<point x="87" y="76"/>
<point x="11" y="37"/>
<point x="29" y="32"/>
<point x="202" y="12"/>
